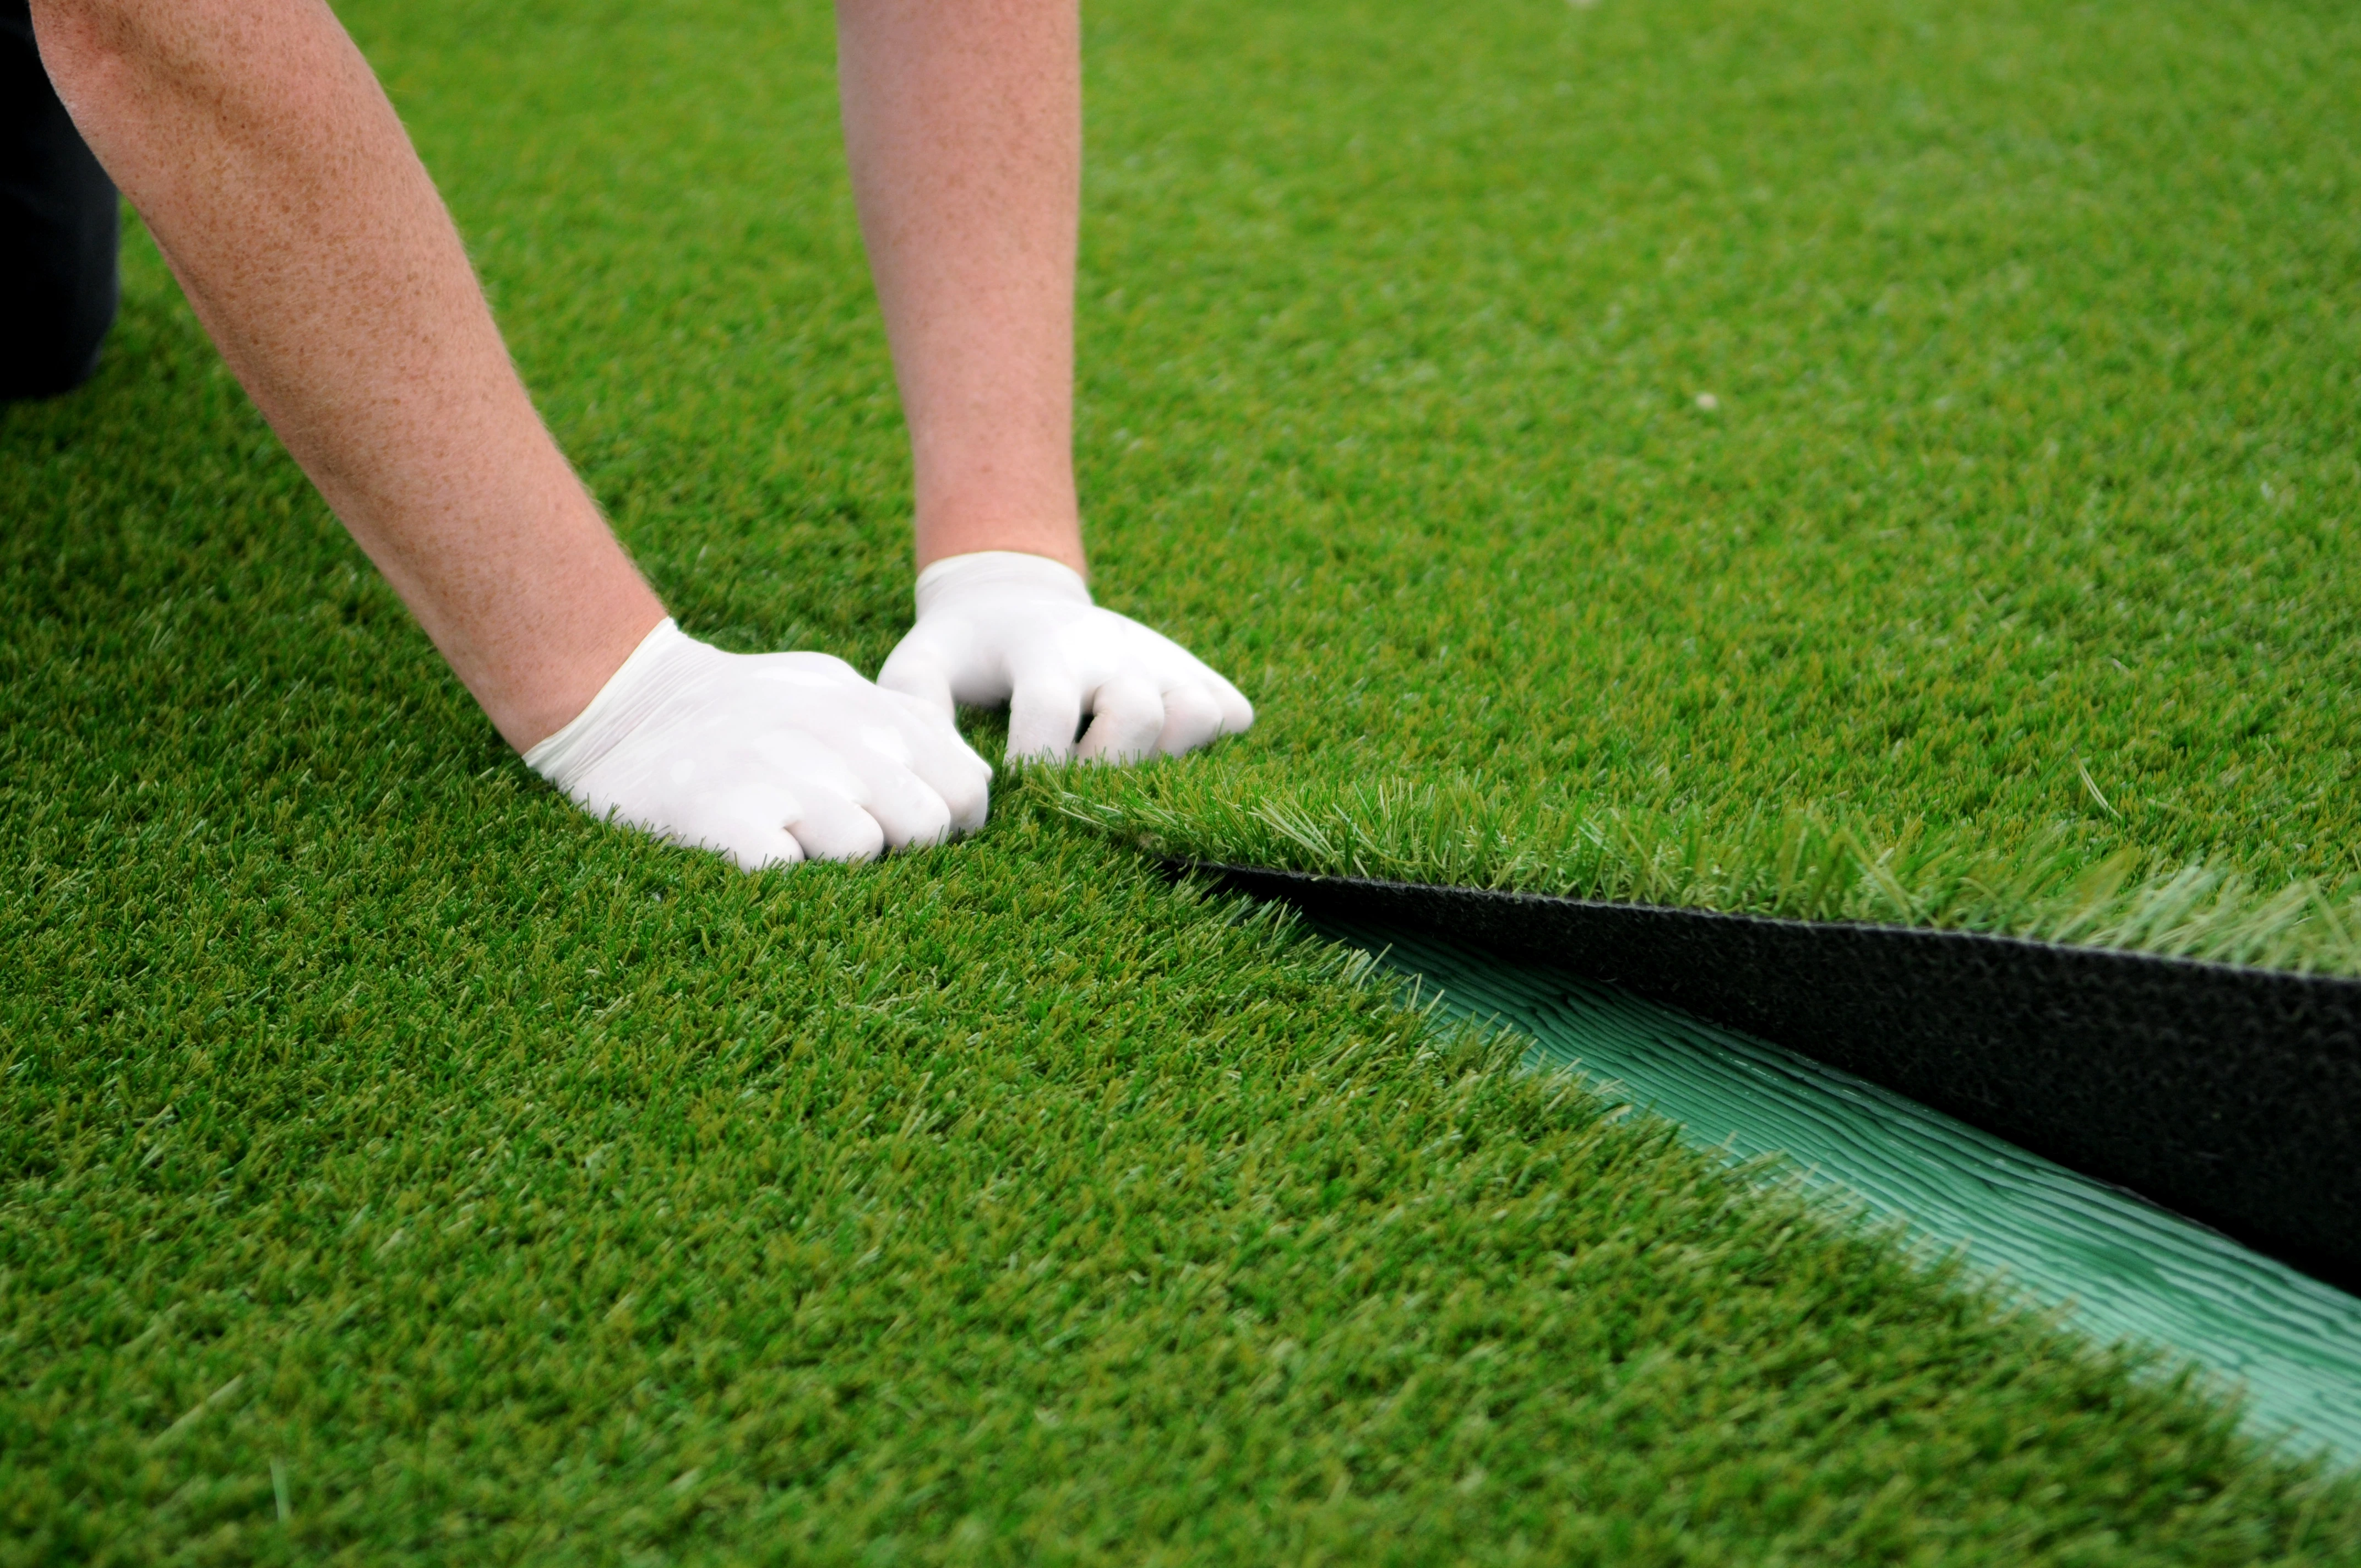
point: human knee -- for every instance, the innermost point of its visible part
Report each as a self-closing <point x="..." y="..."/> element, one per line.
<point x="50" y="337"/>
<point x="57" y="229"/>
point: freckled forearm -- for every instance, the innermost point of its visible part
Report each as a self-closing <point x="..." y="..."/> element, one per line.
<point x="255" y="143"/>
<point x="962" y="124"/>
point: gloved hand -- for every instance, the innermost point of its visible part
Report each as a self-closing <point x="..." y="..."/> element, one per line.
<point x="998" y="626"/>
<point x="768" y="758"/>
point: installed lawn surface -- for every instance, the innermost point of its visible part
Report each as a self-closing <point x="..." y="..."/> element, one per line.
<point x="1880" y="460"/>
<point x="395" y="1164"/>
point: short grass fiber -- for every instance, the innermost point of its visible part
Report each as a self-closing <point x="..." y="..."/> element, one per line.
<point x="1875" y="461"/>
<point x="396" y="1166"/>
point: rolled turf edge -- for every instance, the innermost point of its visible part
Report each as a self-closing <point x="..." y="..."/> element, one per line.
<point x="2228" y="1094"/>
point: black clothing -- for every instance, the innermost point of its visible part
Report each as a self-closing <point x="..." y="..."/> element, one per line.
<point x="57" y="228"/>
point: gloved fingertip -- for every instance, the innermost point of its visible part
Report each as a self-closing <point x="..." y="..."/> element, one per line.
<point x="761" y="853"/>
<point x="948" y="765"/>
<point x="966" y="798"/>
<point x="968" y="761"/>
<point x="1043" y="715"/>
<point x="850" y="834"/>
<point x="1192" y="718"/>
<point x="1129" y="715"/>
<point x="919" y="676"/>
<point x="919" y="821"/>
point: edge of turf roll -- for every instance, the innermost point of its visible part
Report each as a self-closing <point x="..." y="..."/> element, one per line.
<point x="2124" y="1270"/>
<point x="2230" y="1095"/>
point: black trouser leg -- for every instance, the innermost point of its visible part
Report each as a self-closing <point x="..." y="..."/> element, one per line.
<point x="57" y="228"/>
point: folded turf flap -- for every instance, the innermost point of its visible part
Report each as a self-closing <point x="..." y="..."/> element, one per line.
<point x="2232" y="1095"/>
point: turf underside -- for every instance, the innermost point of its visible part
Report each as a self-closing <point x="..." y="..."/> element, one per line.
<point x="2120" y="1266"/>
<point x="394" y="1165"/>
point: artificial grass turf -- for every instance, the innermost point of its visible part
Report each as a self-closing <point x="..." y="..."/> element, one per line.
<point x="383" y="1143"/>
<point x="2008" y="580"/>
<point x="381" y="1137"/>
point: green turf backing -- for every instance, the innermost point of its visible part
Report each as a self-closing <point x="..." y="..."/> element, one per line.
<point x="396" y="1167"/>
<point x="2125" y="1269"/>
<point x="1883" y="460"/>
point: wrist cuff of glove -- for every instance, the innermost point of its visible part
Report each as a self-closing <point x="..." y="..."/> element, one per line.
<point x="999" y="571"/>
<point x="656" y="667"/>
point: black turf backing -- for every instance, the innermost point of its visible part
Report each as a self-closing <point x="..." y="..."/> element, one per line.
<point x="2232" y="1095"/>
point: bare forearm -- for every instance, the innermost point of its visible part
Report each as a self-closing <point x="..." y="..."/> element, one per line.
<point x="255" y="143"/>
<point x="963" y="126"/>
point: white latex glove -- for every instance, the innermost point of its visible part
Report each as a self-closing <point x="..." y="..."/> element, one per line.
<point x="998" y="626"/>
<point x="768" y="758"/>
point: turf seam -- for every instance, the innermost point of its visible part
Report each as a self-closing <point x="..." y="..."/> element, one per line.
<point x="2229" y="1095"/>
<point x="2117" y="1268"/>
